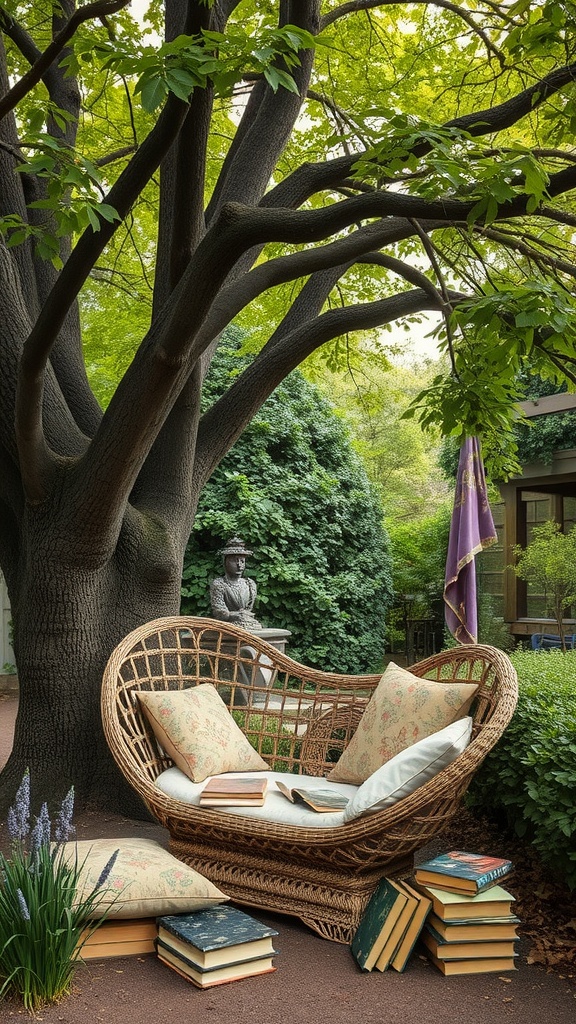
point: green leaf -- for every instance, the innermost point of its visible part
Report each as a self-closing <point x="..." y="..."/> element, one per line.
<point x="153" y="93"/>
<point x="276" y="78"/>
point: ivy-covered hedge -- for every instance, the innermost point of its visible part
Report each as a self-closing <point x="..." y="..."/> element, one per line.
<point x="529" y="779"/>
<point x="295" y="491"/>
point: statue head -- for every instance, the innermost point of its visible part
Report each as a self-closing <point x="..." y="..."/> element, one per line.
<point x="234" y="555"/>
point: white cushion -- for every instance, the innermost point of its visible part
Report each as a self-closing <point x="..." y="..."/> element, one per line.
<point x="276" y="807"/>
<point x="410" y="769"/>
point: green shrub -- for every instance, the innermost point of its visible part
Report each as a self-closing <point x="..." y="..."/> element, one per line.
<point x="295" y="491"/>
<point x="530" y="776"/>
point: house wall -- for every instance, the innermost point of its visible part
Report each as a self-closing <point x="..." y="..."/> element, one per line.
<point x="542" y="492"/>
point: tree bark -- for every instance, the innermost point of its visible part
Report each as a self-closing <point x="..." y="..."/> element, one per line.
<point x="67" y="619"/>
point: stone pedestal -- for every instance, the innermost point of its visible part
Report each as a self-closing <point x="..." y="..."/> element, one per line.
<point x="265" y="673"/>
<point x="277" y="637"/>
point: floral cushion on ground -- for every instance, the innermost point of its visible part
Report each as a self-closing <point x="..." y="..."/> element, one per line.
<point x="197" y="731"/>
<point x="145" y="880"/>
<point x="410" y="769"/>
<point x="402" y="710"/>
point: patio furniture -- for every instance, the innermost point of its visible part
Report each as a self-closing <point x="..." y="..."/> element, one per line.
<point x="300" y="721"/>
<point x="551" y="641"/>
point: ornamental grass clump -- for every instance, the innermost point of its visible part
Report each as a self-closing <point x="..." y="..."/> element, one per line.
<point x="43" y="921"/>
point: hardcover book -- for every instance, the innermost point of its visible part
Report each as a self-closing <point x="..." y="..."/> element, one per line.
<point x="493" y="902"/>
<point x="408" y="941"/>
<point x="216" y="936"/>
<point x="452" y="906"/>
<point x="239" y="792"/>
<point x="381" y="914"/>
<point x="465" y="950"/>
<point x="321" y="799"/>
<point x="130" y="937"/>
<point x="398" y="931"/>
<point x="483" y="965"/>
<point x="470" y="873"/>
<point x="481" y="929"/>
<point x="203" y="978"/>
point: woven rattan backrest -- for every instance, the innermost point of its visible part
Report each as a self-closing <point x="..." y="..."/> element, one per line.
<point x="298" y="718"/>
<point x="273" y="698"/>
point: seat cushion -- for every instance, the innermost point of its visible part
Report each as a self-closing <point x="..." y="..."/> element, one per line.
<point x="402" y="710"/>
<point x="410" y="769"/>
<point x="197" y="731"/>
<point x="275" y="808"/>
<point x="145" y="880"/>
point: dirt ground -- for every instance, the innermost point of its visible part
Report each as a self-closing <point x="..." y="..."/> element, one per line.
<point x="319" y="981"/>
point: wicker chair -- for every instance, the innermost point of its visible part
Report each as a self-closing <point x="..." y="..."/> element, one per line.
<point x="300" y="720"/>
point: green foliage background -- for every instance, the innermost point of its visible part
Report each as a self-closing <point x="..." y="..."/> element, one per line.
<point x="295" y="491"/>
<point x="528" y="779"/>
<point x="537" y="439"/>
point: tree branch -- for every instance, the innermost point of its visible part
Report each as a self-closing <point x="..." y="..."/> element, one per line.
<point x="51" y="318"/>
<point x="118" y="154"/>
<point x="266" y="124"/>
<point x="410" y="274"/>
<point x="237" y="294"/>
<point x="98" y="9"/>
<point x="275" y="361"/>
<point x="511" y="241"/>
<point x="447" y="308"/>
<point x="21" y="39"/>
<point x="310" y="178"/>
<point x="354" y="6"/>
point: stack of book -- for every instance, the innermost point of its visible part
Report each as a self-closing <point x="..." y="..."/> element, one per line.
<point x="216" y="945"/>
<point x="390" y="926"/>
<point x="131" y="937"/>
<point x="471" y="928"/>
<point x="248" y="791"/>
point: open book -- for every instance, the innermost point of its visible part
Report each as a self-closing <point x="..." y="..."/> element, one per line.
<point x="317" y="799"/>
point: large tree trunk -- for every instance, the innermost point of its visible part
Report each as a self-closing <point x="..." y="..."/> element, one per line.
<point x="67" y="619"/>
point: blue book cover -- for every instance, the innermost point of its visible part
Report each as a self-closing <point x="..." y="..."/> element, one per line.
<point x="163" y="947"/>
<point x="215" y="928"/>
<point x="471" y="872"/>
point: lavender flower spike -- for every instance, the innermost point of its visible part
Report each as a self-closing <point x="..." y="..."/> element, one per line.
<point x="18" y="820"/>
<point x="40" y="835"/>
<point x="23" y="905"/>
<point x="105" y="873"/>
<point x="63" y="827"/>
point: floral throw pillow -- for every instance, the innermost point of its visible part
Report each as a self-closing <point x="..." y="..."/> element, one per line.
<point x="197" y="731"/>
<point x="402" y="710"/>
<point x="145" y="880"/>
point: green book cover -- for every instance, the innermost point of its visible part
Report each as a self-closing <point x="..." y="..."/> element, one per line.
<point x="383" y="910"/>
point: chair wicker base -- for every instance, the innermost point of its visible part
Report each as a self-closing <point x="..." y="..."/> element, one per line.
<point x="300" y="722"/>
<point x="328" y="902"/>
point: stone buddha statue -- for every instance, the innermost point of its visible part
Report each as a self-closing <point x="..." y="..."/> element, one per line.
<point x="233" y="595"/>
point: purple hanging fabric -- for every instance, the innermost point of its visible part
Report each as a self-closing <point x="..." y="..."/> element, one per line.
<point x="471" y="530"/>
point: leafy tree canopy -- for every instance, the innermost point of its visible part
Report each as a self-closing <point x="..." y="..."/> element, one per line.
<point x="293" y="489"/>
<point x="449" y="105"/>
<point x="400" y="458"/>
<point x="549" y="561"/>
<point x="536" y="439"/>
